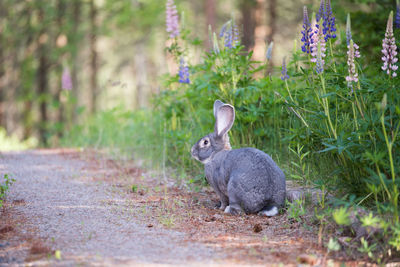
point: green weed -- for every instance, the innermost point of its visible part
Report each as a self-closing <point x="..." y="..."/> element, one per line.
<point x="296" y="210"/>
<point x="4" y="187"/>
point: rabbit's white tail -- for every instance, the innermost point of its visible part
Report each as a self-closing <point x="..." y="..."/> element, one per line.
<point x="269" y="212"/>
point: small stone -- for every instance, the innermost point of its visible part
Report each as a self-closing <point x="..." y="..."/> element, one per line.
<point x="307" y="259"/>
<point x="210" y="219"/>
<point x="293" y="195"/>
<point x="6" y="229"/>
<point x="257" y="228"/>
<point x="149" y="225"/>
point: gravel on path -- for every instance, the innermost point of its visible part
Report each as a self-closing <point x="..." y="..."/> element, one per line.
<point x="89" y="223"/>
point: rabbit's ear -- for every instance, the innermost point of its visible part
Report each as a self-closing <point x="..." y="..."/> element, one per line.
<point x="224" y="119"/>
<point x="217" y="105"/>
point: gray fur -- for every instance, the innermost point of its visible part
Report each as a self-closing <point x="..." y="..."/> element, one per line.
<point x="245" y="179"/>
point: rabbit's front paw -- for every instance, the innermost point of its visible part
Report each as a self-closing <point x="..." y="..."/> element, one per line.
<point x="233" y="210"/>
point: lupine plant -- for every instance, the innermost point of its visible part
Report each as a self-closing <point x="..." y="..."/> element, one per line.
<point x="389" y="50"/>
<point x="329" y="24"/>
<point x="284" y="75"/>
<point x="183" y="71"/>
<point x="172" y="19"/>
<point x="66" y="80"/>
<point x="306" y="32"/>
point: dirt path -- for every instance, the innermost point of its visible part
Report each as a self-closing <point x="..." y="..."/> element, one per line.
<point x="81" y="206"/>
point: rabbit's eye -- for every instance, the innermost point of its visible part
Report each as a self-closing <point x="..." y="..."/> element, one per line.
<point x="205" y="142"/>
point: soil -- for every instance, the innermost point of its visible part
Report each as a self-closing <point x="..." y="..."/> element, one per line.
<point x="69" y="207"/>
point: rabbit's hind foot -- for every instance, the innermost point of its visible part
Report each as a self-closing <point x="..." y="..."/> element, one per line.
<point x="233" y="210"/>
<point x="269" y="212"/>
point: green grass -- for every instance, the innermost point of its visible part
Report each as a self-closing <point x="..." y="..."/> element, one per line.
<point x="13" y="143"/>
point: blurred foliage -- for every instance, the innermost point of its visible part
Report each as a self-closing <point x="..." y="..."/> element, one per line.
<point x="12" y="143"/>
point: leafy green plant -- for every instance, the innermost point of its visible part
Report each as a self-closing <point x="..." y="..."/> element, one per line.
<point x="367" y="248"/>
<point x="4" y="187"/>
<point x="134" y="188"/>
<point x="301" y="165"/>
<point x="341" y="216"/>
<point x="333" y="245"/>
<point x="296" y="209"/>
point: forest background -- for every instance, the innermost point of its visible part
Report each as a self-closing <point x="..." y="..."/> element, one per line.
<point x="106" y="74"/>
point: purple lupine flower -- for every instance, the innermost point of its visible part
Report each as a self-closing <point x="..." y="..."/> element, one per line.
<point x="318" y="47"/>
<point x="389" y="49"/>
<point x="183" y="72"/>
<point x="329" y="27"/>
<point x="397" y="17"/>
<point x="228" y="38"/>
<point x="348" y="30"/>
<point x="319" y="66"/>
<point x="306" y="32"/>
<point x="352" y="53"/>
<point x="320" y="13"/>
<point x="66" y="80"/>
<point x="230" y="33"/>
<point x="172" y="19"/>
<point x="223" y="29"/>
<point x="236" y="35"/>
<point x="284" y="75"/>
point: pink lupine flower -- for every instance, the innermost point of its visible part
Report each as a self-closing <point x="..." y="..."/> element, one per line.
<point x="66" y="81"/>
<point x="172" y="19"/>
<point x="318" y="48"/>
<point x="389" y="49"/>
<point x="356" y="52"/>
<point x="352" y="53"/>
<point x="317" y="37"/>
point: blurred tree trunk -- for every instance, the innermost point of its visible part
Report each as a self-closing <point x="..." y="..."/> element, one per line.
<point x="42" y="78"/>
<point x="260" y="31"/>
<point x="272" y="20"/>
<point x="93" y="57"/>
<point x="2" y="63"/>
<point x="76" y="9"/>
<point x="247" y="8"/>
<point x="210" y="8"/>
<point x="26" y="91"/>
<point x="27" y="117"/>
<point x="11" y="77"/>
<point x="140" y="66"/>
<point x="61" y="7"/>
<point x="272" y="24"/>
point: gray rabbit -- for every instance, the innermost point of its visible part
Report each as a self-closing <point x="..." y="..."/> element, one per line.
<point x="245" y="179"/>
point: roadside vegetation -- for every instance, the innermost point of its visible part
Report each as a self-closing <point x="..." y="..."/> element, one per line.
<point x="5" y="184"/>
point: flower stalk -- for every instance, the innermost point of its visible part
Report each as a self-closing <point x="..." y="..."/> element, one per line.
<point x="389" y="50"/>
<point x="172" y="19"/>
